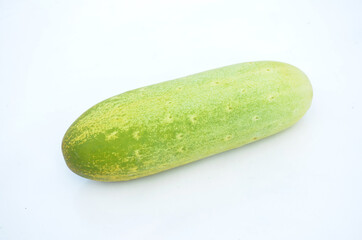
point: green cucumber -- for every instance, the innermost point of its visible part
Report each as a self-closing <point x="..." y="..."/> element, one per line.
<point x="162" y="126"/>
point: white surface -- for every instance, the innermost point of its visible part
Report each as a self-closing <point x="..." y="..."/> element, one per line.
<point x="58" y="58"/>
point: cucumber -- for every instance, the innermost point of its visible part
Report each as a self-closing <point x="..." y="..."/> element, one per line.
<point x="162" y="126"/>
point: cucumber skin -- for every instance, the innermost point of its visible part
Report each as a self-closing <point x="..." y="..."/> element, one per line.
<point x="162" y="126"/>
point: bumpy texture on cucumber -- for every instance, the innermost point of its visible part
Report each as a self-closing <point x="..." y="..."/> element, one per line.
<point x="162" y="126"/>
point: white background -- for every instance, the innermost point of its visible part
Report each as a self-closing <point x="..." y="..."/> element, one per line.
<point x="58" y="58"/>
